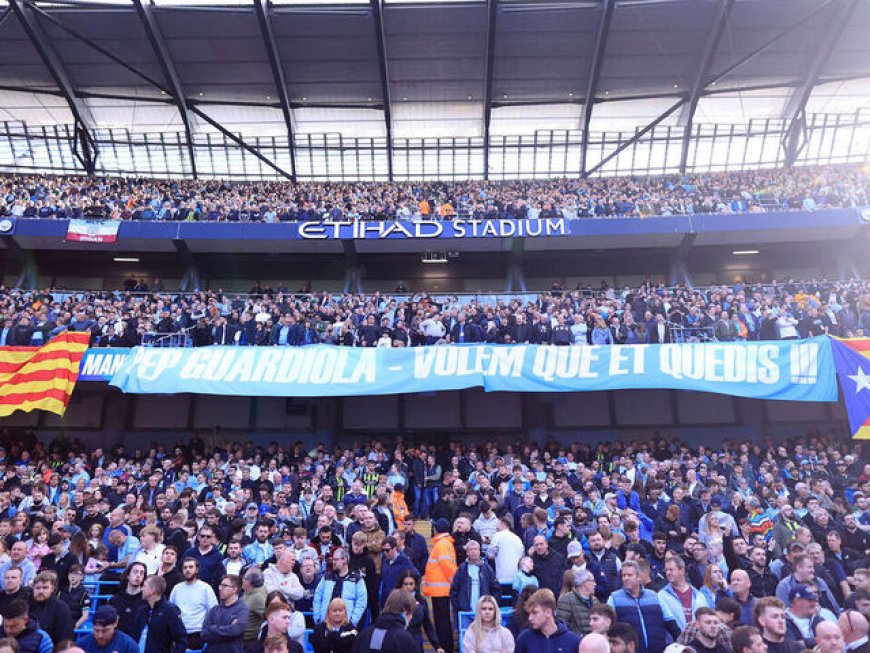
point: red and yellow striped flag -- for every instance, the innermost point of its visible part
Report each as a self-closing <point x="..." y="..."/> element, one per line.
<point x="41" y="378"/>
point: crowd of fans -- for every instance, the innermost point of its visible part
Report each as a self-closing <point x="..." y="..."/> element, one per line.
<point x="636" y="547"/>
<point x="191" y="200"/>
<point x="601" y="316"/>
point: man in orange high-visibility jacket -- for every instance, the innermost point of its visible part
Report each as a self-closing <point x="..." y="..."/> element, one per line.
<point x="400" y="506"/>
<point x="440" y="570"/>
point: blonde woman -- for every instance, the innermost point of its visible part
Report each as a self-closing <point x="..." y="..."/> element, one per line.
<point x="486" y="634"/>
<point x="335" y="634"/>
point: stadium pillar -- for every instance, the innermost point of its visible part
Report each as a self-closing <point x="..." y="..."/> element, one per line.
<point x="191" y="280"/>
<point x="516" y="275"/>
<point x="679" y="268"/>
<point x="353" y="271"/>
<point x="28" y="278"/>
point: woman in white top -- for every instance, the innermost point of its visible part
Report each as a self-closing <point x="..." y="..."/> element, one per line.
<point x="486" y="634"/>
<point x="151" y="551"/>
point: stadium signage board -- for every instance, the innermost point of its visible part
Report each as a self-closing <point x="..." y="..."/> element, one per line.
<point x="799" y="371"/>
<point x="428" y="229"/>
<point x="100" y="364"/>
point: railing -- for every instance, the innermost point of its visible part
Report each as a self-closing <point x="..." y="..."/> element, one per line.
<point x="681" y="333"/>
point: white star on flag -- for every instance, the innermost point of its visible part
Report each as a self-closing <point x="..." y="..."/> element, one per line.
<point x="861" y="379"/>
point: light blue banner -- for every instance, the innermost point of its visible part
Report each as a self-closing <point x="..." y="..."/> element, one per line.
<point x="796" y="370"/>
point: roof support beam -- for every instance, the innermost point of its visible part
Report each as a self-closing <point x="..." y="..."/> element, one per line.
<point x="767" y="44"/>
<point x="380" y="38"/>
<point x="84" y="145"/>
<point x="235" y="138"/>
<point x="594" y="76"/>
<point x="264" y="19"/>
<point x="492" y="16"/>
<point x="700" y="83"/>
<point x="5" y="15"/>
<point x="794" y="139"/>
<point x="637" y="136"/>
<point x="176" y="90"/>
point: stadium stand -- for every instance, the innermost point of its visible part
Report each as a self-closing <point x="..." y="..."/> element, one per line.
<point x="276" y="316"/>
<point x="185" y="200"/>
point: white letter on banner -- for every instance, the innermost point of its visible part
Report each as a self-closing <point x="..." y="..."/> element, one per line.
<point x="338" y="371"/>
<point x="437" y="229"/>
<point x="804" y="363"/>
<point x="712" y="363"/>
<point x="555" y="227"/>
<point x="396" y="226"/>
<point x="290" y="366"/>
<point x="424" y="357"/>
<point x="506" y="361"/>
<point x="195" y="364"/>
<point x="618" y="354"/>
<point x="445" y="361"/>
<point x="639" y="352"/>
<point x="244" y="367"/>
<point x="734" y="364"/>
<point x="588" y="355"/>
<point x="669" y="361"/>
<point x="267" y="365"/>
<point x="489" y="229"/>
<point x="336" y="228"/>
<point x="463" y="366"/>
<point x="312" y="231"/>
<point x="366" y="367"/>
<point x="768" y="371"/>
<point x="159" y="360"/>
<point x="322" y="368"/>
<point x="545" y="364"/>
<point x="90" y="365"/>
<point x="567" y="361"/>
<point x="507" y="228"/>
<point x="218" y="370"/>
<point x="693" y="361"/>
<point x="459" y="228"/>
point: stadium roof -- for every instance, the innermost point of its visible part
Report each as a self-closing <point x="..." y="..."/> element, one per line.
<point x="439" y="69"/>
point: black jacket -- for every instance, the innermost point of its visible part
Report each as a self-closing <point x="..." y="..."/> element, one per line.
<point x="128" y="607"/>
<point x="395" y="640"/>
<point x="333" y="641"/>
<point x="549" y="570"/>
<point x="53" y="617"/>
<point x="166" y="632"/>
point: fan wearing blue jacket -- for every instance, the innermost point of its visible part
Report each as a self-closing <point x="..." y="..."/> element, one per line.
<point x="348" y="585"/>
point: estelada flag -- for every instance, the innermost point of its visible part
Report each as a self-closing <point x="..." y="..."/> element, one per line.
<point x="41" y="378"/>
<point x="852" y="360"/>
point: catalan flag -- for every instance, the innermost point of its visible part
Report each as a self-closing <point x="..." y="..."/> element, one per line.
<point x="852" y="360"/>
<point x="41" y="378"/>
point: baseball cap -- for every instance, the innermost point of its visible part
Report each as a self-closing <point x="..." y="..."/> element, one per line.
<point x="574" y="549"/>
<point x="609" y="495"/>
<point x="802" y="592"/>
<point x="716" y="501"/>
<point x="105" y="615"/>
<point x="253" y="506"/>
<point x="339" y="507"/>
